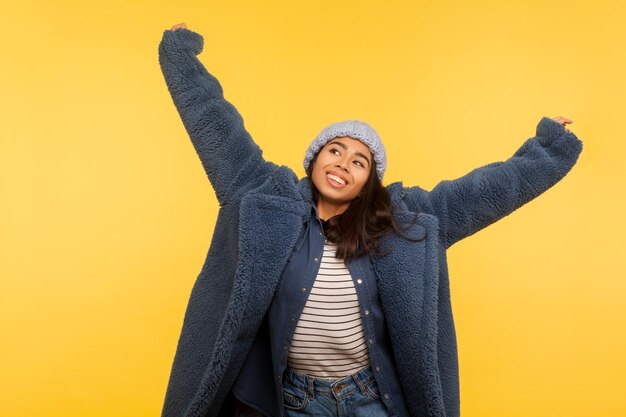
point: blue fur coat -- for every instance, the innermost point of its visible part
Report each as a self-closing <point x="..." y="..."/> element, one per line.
<point x="260" y="216"/>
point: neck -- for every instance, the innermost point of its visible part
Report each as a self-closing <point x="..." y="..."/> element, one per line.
<point x="326" y="210"/>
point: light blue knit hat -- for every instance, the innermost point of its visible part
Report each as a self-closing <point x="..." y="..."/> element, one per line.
<point x="355" y="129"/>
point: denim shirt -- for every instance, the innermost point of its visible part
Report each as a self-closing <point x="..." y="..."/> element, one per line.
<point x="268" y="356"/>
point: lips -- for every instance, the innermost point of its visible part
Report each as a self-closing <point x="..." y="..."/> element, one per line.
<point x="333" y="182"/>
<point x="336" y="174"/>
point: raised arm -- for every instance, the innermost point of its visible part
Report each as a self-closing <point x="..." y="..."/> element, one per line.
<point x="228" y="154"/>
<point x="470" y="203"/>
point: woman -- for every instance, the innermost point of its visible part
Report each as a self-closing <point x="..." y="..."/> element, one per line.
<point x="328" y="295"/>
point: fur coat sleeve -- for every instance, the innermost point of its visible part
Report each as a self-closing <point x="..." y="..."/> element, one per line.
<point x="229" y="156"/>
<point x="488" y="193"/>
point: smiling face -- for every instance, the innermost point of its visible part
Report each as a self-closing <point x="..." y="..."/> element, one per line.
<point x="339" y="173"/>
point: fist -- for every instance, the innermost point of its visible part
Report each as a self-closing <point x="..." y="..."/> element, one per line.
<point x="179" y="26"/>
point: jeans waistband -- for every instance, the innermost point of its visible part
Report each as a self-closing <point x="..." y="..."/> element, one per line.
<point x="337" y="387"/>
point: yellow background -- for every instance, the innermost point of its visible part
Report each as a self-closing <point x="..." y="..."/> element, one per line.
<point x="106" y="214"/>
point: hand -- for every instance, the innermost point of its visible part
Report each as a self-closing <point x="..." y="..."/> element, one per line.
<point x="562" y="120"/>
<point x="179" y="26"/>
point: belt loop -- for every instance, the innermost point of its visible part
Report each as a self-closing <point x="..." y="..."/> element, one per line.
<point x="360" y="380"/>
<point x="310" y="381"/>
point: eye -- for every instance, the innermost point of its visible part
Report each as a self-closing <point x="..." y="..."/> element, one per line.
<point x="360" y="164"/>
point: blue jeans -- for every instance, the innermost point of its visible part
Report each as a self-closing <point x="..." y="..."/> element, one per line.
<point x="356" y="395"/>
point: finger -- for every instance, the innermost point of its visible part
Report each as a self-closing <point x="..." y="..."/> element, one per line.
<point x="562" y="120"/>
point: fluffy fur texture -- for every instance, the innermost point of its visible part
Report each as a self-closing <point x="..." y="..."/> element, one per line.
<point x="262" y="207"/>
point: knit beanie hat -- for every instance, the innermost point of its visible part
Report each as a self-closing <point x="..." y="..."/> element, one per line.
<point x="355" y="129"/>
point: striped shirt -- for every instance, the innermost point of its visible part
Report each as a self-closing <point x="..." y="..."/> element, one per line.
<point x="329" y="341"/>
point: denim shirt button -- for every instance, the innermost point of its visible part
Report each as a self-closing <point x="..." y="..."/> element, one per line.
<point x="360" y="281"/>
<point x="386" y="396"/>
<point x="303" y="289"/>
<point x="315" y="259"/>
<point x="371" y="341"/>
<point x="367" y="312"/>
<point x="378" y="369"/>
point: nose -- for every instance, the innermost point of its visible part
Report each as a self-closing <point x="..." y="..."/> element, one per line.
<point x="342" y="166"/>
<point x="343" y="163"/>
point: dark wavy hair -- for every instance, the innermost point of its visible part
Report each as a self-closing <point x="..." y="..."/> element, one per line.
<point x="358" y="230"/>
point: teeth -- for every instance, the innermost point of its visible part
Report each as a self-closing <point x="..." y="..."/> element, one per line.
<point x="336" y="178"/>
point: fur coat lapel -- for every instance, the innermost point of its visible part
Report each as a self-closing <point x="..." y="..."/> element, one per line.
<point x="408" y="281"/>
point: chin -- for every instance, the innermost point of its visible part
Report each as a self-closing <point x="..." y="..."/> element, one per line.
<point x="331" y="194"/>
<point x="336" y="197"/>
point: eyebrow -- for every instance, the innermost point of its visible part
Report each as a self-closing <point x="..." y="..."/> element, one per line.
<point x="356" y="153"/>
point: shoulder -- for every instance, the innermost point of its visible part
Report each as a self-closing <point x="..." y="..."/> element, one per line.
<point x="281" y="181"/>
<point x="412" y="198"/>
